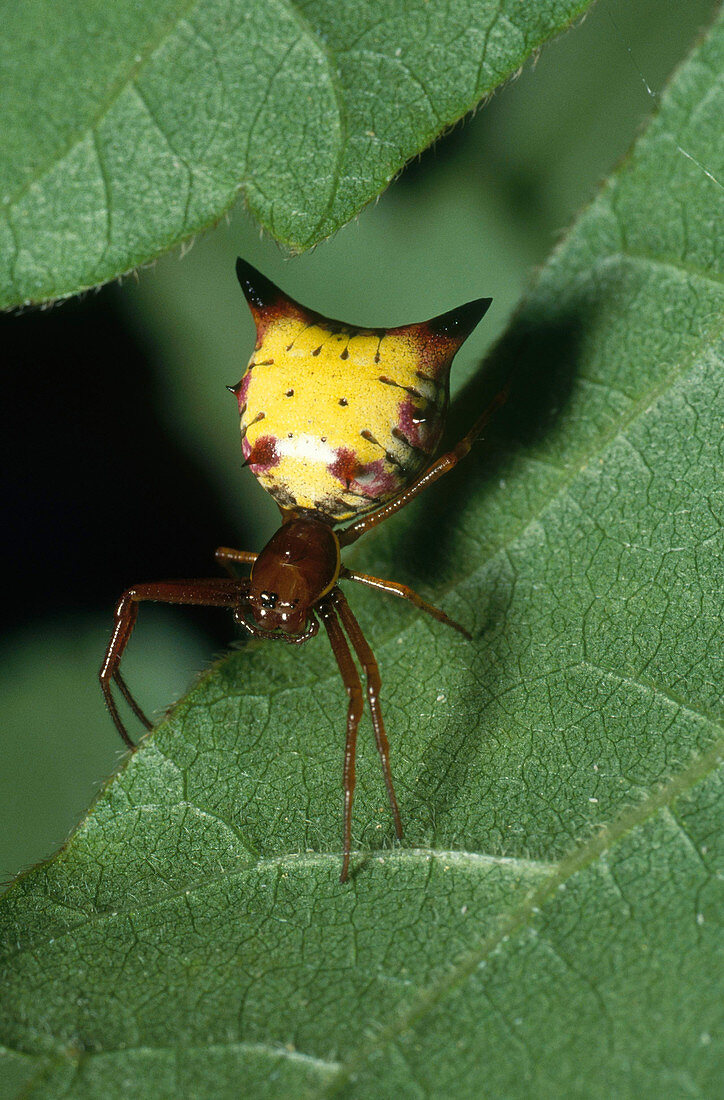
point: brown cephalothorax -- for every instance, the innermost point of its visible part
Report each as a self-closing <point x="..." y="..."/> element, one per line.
<point x="298" y="567"/>
<point x="339" y="424"/>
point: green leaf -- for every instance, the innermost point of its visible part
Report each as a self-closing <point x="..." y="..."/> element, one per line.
<point x="158" y="115"/>
<point x="552" y="924"/>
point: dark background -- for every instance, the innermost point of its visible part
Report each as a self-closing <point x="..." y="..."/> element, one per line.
<point x="121" y="458"/>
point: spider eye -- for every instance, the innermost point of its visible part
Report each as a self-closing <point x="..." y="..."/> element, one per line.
<point x="268" y="599"/>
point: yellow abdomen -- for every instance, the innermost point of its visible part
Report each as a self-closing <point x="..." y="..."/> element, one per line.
<point x="335" y="419"/>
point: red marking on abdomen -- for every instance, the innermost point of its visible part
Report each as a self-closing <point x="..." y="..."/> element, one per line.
<point x="264" y="453"/>
<point x="371" y="480"/>
<point x="346" y="466"/>
<point x="380" y="483"/>
<point x="426" y="433"/>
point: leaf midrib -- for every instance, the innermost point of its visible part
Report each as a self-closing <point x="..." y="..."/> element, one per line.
<point x="310" y="31"/>
<point x="269" y="1050"/>
<point x="262" y="865"/>
<point x="525" y="914"/>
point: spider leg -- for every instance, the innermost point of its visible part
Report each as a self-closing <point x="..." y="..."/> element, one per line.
<point x="227" y="557"/>
<point x="405" y="593"/>
<point x="353" y="687"/>
<point x="126" y="693"/>
<point x="441" y="466"/>
<point x="211" y="592"/>
<point x="374" y="685"/>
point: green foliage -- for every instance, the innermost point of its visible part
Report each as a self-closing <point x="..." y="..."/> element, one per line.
<point x="551" y="925"/>
<point x="159" y="115"/>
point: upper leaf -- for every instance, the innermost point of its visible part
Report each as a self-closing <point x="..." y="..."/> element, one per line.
<point x="551" y="926"/>
<point x="129" y="127"/>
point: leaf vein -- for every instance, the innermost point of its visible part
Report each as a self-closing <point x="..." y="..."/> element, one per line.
<point x="339" y="99"/>
<point x="675" y="265"/>
<point x="116" y="90"/>
<point x="526" y="913"/>
<point x="297" y="859"/>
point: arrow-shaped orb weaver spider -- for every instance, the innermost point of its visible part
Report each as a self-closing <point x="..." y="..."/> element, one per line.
<point x="339" y="424"/>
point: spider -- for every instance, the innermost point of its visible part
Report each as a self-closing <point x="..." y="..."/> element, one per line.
<point x="339" y="424"/>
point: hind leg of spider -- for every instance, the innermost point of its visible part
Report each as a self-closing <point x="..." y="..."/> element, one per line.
<point x="211" y="592"/>
<point x="405" y="593"/>
<point x="353" y="687"/>
<point x="227" y="557"/>
<point x="374" y="685"/>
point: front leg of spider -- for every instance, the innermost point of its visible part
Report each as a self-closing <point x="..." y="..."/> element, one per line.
<point x="339" y="424"/>
<point x="204" y="592"/>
